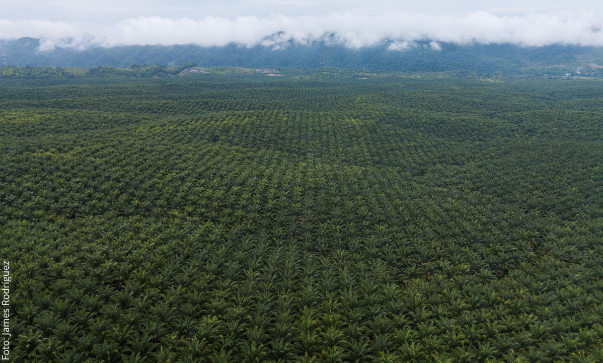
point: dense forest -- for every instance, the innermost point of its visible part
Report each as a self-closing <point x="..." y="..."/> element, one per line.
<point x="483" y="59"/>
<point x="320" y="217"/>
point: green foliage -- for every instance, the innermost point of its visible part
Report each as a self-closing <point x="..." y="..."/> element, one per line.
<point x="466" y="60"/>
<point x="37" y="73"/>
<point x="249" y="218"/>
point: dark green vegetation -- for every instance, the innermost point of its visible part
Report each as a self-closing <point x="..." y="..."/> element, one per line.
<point x="480" y="59"/>
<point x="54" y="72"/>
<point x="219" y="218"/>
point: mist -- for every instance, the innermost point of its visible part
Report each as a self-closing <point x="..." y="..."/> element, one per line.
<point x="398" y="30"/>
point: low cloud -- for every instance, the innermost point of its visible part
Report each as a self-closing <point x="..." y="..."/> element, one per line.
<point x="399" y="31"/>
<point x="51" y="34"/>
<point x="435" y="46"/>
<point x="401" y="45"/>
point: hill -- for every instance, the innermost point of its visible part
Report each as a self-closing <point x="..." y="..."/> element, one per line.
<point x="492" y="59"/>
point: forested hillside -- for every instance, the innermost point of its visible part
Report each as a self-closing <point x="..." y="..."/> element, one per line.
<point x="482" y="59"/>
<point x="323" y="218"/>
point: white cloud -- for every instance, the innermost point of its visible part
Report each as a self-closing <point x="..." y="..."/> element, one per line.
<point x="435" y="46"/>
<point x="400" y="45"/>
<point x="398" y="30"/>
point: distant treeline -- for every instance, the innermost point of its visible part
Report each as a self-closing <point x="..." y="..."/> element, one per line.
<point x="480" y="59"/>
<point x="136" y="70"/>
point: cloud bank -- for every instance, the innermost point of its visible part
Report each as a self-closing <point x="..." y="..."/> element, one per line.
<point x="399" y="31"/>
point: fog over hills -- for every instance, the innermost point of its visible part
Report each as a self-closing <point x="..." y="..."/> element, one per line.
<point x="400" y="29"/>
<point x="551" y="40"/>
<point x="421" y="56"/>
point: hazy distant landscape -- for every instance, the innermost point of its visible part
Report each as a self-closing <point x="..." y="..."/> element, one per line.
<point x="477" y="59"/>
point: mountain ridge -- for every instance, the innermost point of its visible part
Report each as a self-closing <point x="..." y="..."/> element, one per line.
<point x="490" y="59"/>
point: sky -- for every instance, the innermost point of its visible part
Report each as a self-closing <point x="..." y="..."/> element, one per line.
<point x="275" y="23"/>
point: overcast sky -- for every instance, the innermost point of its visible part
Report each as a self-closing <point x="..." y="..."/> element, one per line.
<point x="354" y="23"/>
